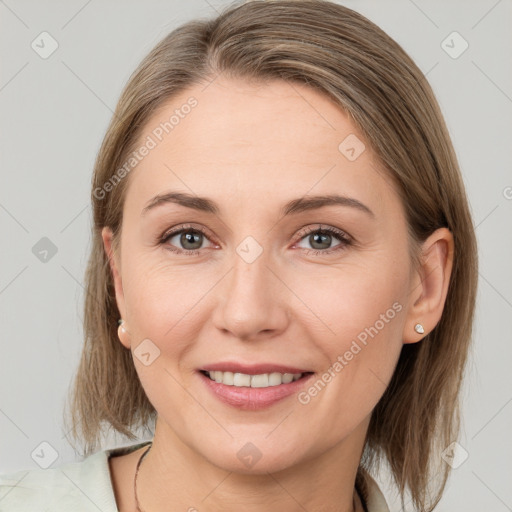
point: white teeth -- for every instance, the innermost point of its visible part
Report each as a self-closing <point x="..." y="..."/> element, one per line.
<point x="263" y="380"/>
<point x="241" y="379"/>
<point x="287" y="378"/>
<point x="259" y="381"/>
<point x="228" y="378"/>
<point x="274" y="379"/>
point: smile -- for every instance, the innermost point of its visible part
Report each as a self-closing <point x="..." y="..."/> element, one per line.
<point x="263" y="380"/>
<point x="250" y="388"/>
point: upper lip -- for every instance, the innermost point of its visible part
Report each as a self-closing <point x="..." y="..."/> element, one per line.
<point x="252" y="369"/>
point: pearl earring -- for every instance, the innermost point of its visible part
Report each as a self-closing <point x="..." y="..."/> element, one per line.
<point x="419" y="328"/>
<point x="121" y="322"/>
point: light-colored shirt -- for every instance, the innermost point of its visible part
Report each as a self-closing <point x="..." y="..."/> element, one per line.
<point x="86" y="486"/>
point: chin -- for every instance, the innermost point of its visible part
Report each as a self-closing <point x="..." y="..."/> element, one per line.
<point x="256" y="457"/>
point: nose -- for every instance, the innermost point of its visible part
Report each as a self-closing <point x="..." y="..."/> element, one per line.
<point x="253" y="300"/>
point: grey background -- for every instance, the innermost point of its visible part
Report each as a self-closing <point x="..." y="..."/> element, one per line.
<point x="54" y="113"/>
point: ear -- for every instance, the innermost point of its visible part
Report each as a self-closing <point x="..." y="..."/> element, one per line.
<point x="429" y="286"/>
<point x="106" y="234"/>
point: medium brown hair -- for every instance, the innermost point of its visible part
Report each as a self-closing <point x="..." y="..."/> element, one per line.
<point x="348" y="58"/>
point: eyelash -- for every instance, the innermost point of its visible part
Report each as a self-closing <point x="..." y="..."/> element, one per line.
<point x="345" y="239"/>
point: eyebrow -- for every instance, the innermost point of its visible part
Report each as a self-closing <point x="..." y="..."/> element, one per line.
<point x="291" y="207"/>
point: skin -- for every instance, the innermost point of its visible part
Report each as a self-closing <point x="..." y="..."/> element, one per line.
<point x="252" y="147"/>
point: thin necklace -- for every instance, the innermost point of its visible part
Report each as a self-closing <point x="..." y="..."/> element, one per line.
<point x="137" y="472"/>
<point x="135" y="479"/>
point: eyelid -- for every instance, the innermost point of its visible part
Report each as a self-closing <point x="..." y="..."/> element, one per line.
<point x="188" y="226"/>
<point x="325" y="228"/>
<point x="342" y="235"/>
<point x="345" y="240"/>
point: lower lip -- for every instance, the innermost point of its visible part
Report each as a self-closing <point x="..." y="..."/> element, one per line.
<point x="253" y="399"/>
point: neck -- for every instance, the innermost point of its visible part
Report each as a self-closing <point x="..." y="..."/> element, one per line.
<point x="174" y="473"/>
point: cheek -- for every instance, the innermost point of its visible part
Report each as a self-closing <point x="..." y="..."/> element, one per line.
<point x="164" y="300"/>
<point x="362" y="313"/>
<point x="351" y="300"/>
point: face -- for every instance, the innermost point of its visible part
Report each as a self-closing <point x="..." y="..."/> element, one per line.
<point x="251" y="282"/>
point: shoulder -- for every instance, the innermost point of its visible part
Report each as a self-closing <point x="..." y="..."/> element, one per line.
<point x="80" y="486"/>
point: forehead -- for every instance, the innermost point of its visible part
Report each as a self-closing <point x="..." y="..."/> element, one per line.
<point x="244" y="142"/>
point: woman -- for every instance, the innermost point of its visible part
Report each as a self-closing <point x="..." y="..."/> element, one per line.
<point x="276" y="278"/>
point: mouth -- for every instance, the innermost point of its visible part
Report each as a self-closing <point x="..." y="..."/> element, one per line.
<point x="260" y="380"/>
<point x="253" y="390"/>
<point x="253" y="387"/>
